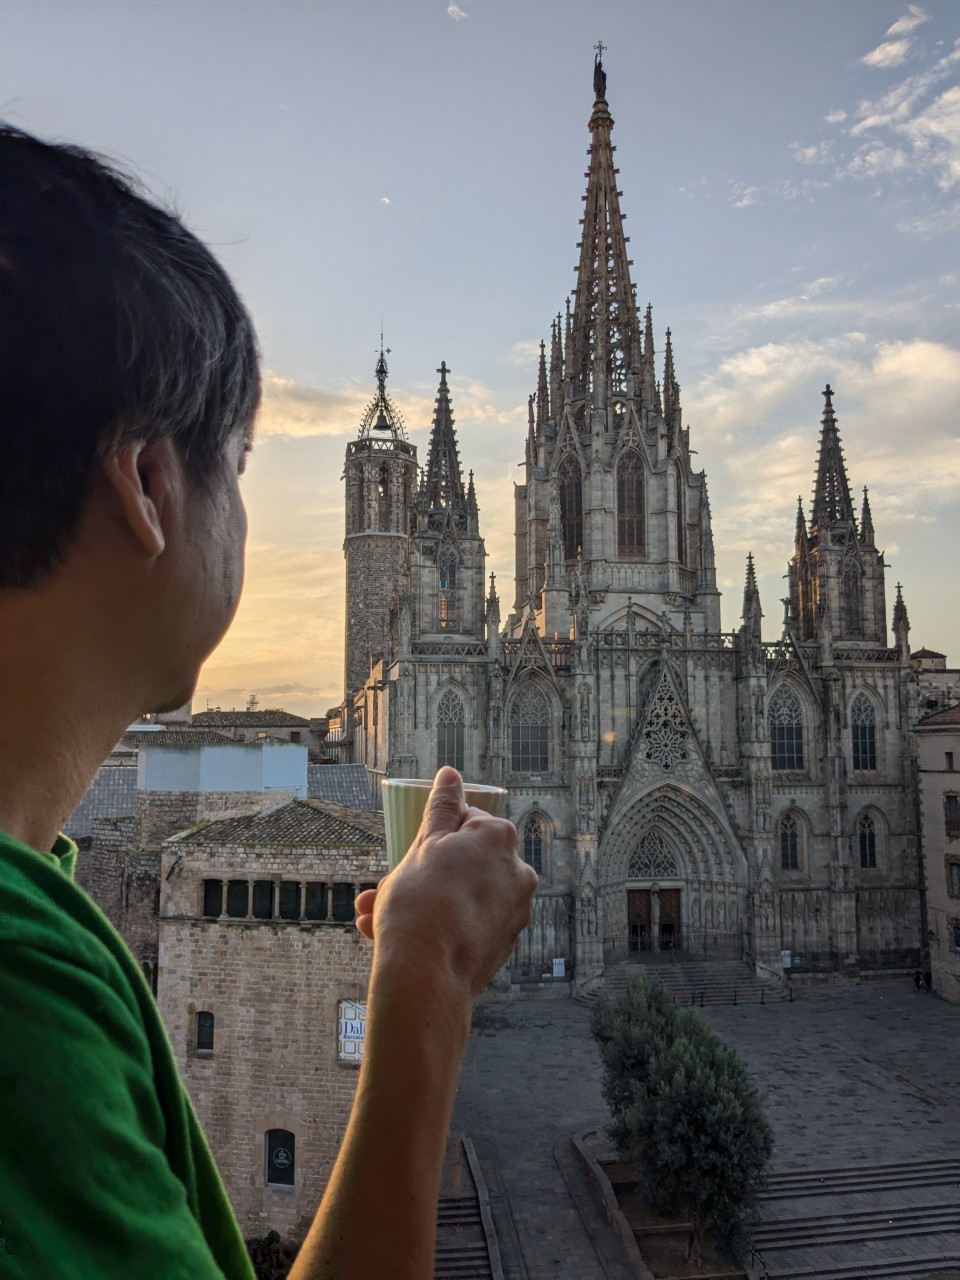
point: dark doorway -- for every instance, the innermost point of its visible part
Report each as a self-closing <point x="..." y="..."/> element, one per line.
<point x="670" y="938"/>
<point x="638" y="919"/>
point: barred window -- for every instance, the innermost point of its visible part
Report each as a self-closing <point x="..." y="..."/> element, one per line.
<point x="630" y="540"/>
<point x="447" y="591"/>
<point x="789" y="843"/>
<point x="533" y="844"/>
<point x="571" y="505"/>
<point x="867" y="839"/>
<point x="786" y="730"/>
<point x="863" y="732"/>
<point x="530" y="731"/>
<point x="450" y="724"/>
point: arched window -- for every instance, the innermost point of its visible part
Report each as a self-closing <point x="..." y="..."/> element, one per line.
<point x="450" y="722"/>
<point x="571" y="505"/>
<point x="789" y="842"/>
<point x="383" y="498"/>
<point x="851" y="597"/>
<point x="447" y="590"/>
<point x="205" y="1021"/>
<point x="281" y="1153"/>
<point x="533" y="844"/>
<point x="867" y="840"/>
<point x="530" y="731"/>
<point x="786" y="730"/>
<point x="863" y="732"/>
<point x="681" y="525"/>
<point x="630" y="541"/>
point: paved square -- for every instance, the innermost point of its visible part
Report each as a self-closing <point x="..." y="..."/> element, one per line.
<point x="849" y="1074"/>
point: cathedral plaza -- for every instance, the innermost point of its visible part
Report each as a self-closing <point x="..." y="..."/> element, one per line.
<point x="853" y="1078"/>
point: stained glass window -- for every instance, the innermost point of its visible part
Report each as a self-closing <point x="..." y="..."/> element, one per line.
<point x="447" y="591"/>
<point x="533" y="844"/>
<point x="867" y="839"/>
<point x="789" y="842"/>
<point x="530" y="731"/>
<point x="450" y="726"/>
<point x="571" y="505"/>
<point x="786" y="730"/>
<point x="630" y="540"/>
<point x="863" y="732"/>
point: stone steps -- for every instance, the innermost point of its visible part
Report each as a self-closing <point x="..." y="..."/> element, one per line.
<point x="696" y="983"/>
<point x="462" y="1252"/>
<point x="856" y="1213"/>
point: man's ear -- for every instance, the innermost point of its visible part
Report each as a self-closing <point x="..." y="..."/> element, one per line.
<point x="144" y="477"/>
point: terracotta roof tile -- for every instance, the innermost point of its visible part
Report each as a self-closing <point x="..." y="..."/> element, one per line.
<point x="304" y="823"/>
<point x="949" y="715"/>
<point x="249" y="720"/>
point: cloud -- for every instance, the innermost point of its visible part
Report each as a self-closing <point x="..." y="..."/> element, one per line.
<point x="456" y="13"/>
<point x="296" y="409"/>
<point x="890" y="54"/>
<point x="384" y="199"/>
<point x="913" y="18"/>
<point x="523" y="355"/>
<point x="835" y="117"/>
<point x="817" y="153"/>
<point x="896" y="407"/>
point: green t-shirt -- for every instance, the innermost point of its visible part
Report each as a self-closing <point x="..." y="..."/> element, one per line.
<point x="104" y="1170"/>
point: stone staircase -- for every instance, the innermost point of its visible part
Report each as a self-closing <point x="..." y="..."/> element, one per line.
<point x="697" y="982"/>
<point x="462" y="1252"/>
<point x="868" y="1222"/>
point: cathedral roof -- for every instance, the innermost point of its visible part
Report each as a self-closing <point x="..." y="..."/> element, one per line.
<point x="299" y="823"/>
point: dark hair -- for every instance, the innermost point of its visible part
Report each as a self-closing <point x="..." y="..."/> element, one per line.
<point x="116" y="324"/>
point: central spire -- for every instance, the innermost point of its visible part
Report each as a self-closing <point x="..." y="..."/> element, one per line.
<point x="831" y="498"/>
<point x="605" y="329"/>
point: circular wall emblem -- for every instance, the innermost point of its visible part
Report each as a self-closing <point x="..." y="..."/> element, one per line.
<point x="282" y="1158"/>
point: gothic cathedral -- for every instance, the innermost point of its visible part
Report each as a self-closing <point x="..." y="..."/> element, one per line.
<point x="675" y="786"/>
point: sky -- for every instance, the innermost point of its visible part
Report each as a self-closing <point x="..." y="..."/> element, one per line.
<point x="790" y="173"/>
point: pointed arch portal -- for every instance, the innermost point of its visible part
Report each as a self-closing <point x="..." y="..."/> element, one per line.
<point x="672" y="878"/>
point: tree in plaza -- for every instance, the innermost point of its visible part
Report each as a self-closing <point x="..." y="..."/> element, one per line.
<point x="684" y="1114"/>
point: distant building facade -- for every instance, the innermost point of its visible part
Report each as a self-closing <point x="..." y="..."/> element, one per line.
<point x="676" y="786"/>
<point x="263" y="987"/>
<point x="938" y="738"/>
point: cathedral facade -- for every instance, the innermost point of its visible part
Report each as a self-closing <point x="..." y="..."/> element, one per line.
<point x="676" y="787"/>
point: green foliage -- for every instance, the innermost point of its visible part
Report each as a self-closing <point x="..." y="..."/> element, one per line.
<point x="684" y="1114"/>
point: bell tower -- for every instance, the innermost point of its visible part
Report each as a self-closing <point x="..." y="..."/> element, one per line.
<point x="381" y="478"/>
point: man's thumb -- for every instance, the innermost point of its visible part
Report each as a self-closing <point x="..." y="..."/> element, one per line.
<point x="446" y="807"/>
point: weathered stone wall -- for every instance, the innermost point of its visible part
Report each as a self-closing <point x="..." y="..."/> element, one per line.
<point x="941" y="853"/>
<point x="273" y="988"/>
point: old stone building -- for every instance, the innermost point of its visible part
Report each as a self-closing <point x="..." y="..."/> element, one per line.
<point x="263" y="985"/>
<point x="938" y="739"/>
<point x="676" y="786"/>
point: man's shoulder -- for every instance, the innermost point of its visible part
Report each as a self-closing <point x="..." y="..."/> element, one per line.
<point x="41" y="908"/>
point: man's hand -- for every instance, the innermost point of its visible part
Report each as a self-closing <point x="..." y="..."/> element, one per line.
<point x="460" y="896"/>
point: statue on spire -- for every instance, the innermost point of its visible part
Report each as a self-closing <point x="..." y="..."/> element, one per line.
<point x="599" y="75"/>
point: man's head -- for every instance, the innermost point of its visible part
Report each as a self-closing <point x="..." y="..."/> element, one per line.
<point x="128" y="380"/>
